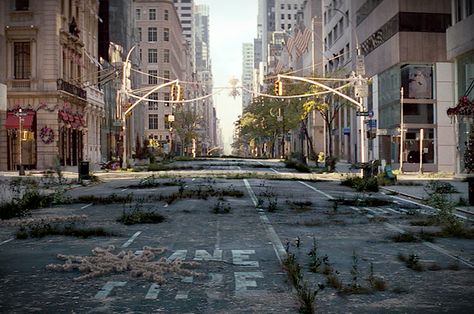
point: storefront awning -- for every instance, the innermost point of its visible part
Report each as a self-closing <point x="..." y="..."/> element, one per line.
<point x="12" y="121"/>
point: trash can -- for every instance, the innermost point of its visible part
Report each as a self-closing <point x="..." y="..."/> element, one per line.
<point x="470" y="189"/>
<point x="83" y="170"/>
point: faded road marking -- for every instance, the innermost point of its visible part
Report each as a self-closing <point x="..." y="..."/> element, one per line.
<point x="88" y="205"/>
<point x="246" y="279"/>
<point x="107" y="288"/>
<point x="203" y="255"/>
<point x="240" y="257"/>
<point x="153" y="292"/>
<point x="182" y="295"/>
<point x="127" y="244"/>
<point x="179" y="254"/>
<point x="316" y="190"/>
<point x="6" y="241"/>
<point x="276" y="242"/>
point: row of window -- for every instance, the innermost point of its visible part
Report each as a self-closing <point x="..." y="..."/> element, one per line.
<point x="153" y="76"/>
<point x="336" y="32"/>
<point x="151" y="14"/>
<point x="153" y="120"/>
<point x="153" y="55"/>
<point x="289" y="16"/>
<point x="153" y="34"/>
<point x="288" y="6"/>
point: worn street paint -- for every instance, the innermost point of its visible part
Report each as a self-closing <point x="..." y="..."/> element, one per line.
<point x="153" y="292"/>
<point x="371" y="210"/>
<point x="126" y="244"/>
<point x="138" y="252"/>
<point x="316" y="190"/>
<point x="240" y="257"/>
<point x="246" y="279"/>
<point x="85" y="206"/>
<point x="203" y="255"/>
<point x="215" y="280"/>
<point x="6" y="241"/>
<point x="182" y="295"/>
<point x="123" y="190"/>
<point x="107" y="288"/>
<point x="179" y="254"/>
<point x="276" y="242"/>
<point x="188" y="279"/>
<point x="274" y="170"/>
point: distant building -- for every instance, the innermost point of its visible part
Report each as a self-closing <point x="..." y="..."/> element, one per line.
<point x="161" y="52"/>
<point x="247" y="73"/>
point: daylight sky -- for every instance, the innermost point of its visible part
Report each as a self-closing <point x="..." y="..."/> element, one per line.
<point x="232" y="23"/>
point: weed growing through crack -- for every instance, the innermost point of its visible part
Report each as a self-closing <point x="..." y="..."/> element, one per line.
<point x="46" y="229"/>
<point x="315" y="261"/>
<point x="376" y="282"/>
<point x="221" y="207"/>
<point x="411" y="261"/>
<point x="136" y="215"/>
<point x="272" y="199"/>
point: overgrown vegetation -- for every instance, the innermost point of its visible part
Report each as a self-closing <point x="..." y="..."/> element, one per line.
<point x="221" y="207"/>
<point x="107" y="199"/>
<point x="136" y="215"/>
<point x="411" y="261"/>
<point x="362" y="184"/>
<point x="299" y="166"/>
<point x="363" y="201"/>
<point x="46" y="229"/>
<point x="155" y="181"/>
<point x="271" y="200"/>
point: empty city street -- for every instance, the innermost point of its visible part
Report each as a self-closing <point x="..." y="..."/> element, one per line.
<point x="233" y="235"/>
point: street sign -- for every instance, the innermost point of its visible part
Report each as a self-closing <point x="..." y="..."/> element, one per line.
<point x="371" y="114"/>
<point x="346" y="131"/>
<point x="362" y="113"/>
<point x="372" y="123"/>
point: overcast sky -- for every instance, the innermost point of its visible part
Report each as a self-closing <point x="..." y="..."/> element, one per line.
<point x="232" y="23"/>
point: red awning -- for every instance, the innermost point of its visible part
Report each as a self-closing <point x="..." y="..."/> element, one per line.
<point x="12" y="121"/>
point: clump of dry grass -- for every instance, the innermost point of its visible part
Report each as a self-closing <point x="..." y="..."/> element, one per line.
<point x="104" y="262"/>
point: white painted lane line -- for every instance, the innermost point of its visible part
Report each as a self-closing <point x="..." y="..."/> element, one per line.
<point x="188" y="279"/>
<point x="392" y="210"/>
<point x="153" y="292"/>
<point x="434" y="247"/>
<point x="316" y="190"/>
<point x="251" y="193"/>
<point x="166" y="205"/>
<point x="123" y="190"/>
<point x="127" y="244"/>
<point x="203" y="255"/>
<point x="107" y="288"/>
<point x="274" y="170"/>
<point x="355" y="208"/>
<point x="371" y="210"/>
<point x="6" y="241"/>
<point x="182" y="295"/>
<point x="88" y="205"/>
<point x="275" y="240"/>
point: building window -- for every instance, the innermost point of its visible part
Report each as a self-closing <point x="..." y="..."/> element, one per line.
<point x="138" y="14"/>
<point x="166" y="34"/>
<point x="166" y="56"/>
<point x="166" y="15"/>
<point x="140" y="54"/>
<point x="289" y="6"/>
<point x="152" y="34"/>
<point x="152" y="77"/>
<point x="152" y="14"/>
<point x="167" y="98"/>
<point x="139" y="30"/>
<point x="282" y="26"/>
<point x="289" y="26"/>
<point x="152" y="105"/>
<point x="22" y="60"/>
<point x="167" y="122"/>
<point x="152" y="55"/>
<point x="153" y="121"/>
<point x="166" y="74"/>
<point x="469" y="7"/>
<point x="282" y="6"/>
<point x="283" y="16"/>
<point x="22" y="5"/>
<point x="289" y="16"/>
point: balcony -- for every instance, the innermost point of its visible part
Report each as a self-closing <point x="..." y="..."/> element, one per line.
<point x="71" y="89"/>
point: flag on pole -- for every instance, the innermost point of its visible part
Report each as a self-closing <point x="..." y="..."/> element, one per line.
<point x="290" y="45"/>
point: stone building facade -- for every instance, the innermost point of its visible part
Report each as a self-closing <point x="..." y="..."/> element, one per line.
<point x="49" y="62"/>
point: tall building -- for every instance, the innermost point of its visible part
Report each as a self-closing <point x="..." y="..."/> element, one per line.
<point x="404" y="49"/>
<point x="49" y="57"/>
<point x="162" y="58"/>
<point x="247" y="73"/>
<point x="460" y="51"/>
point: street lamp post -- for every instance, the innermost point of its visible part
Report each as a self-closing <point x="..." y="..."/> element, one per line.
<point x="20" y="114"/>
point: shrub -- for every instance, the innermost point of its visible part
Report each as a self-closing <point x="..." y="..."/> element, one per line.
<point x="138" y="216"/>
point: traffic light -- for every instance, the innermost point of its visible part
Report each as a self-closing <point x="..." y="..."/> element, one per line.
<point x="278" y="88"/>
<point x="175" y="92"/>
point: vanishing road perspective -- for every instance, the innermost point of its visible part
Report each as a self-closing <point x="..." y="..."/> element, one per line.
<point x="233" y="236"/>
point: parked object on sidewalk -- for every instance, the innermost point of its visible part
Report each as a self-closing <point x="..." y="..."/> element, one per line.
<point x="388" y="173"/>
